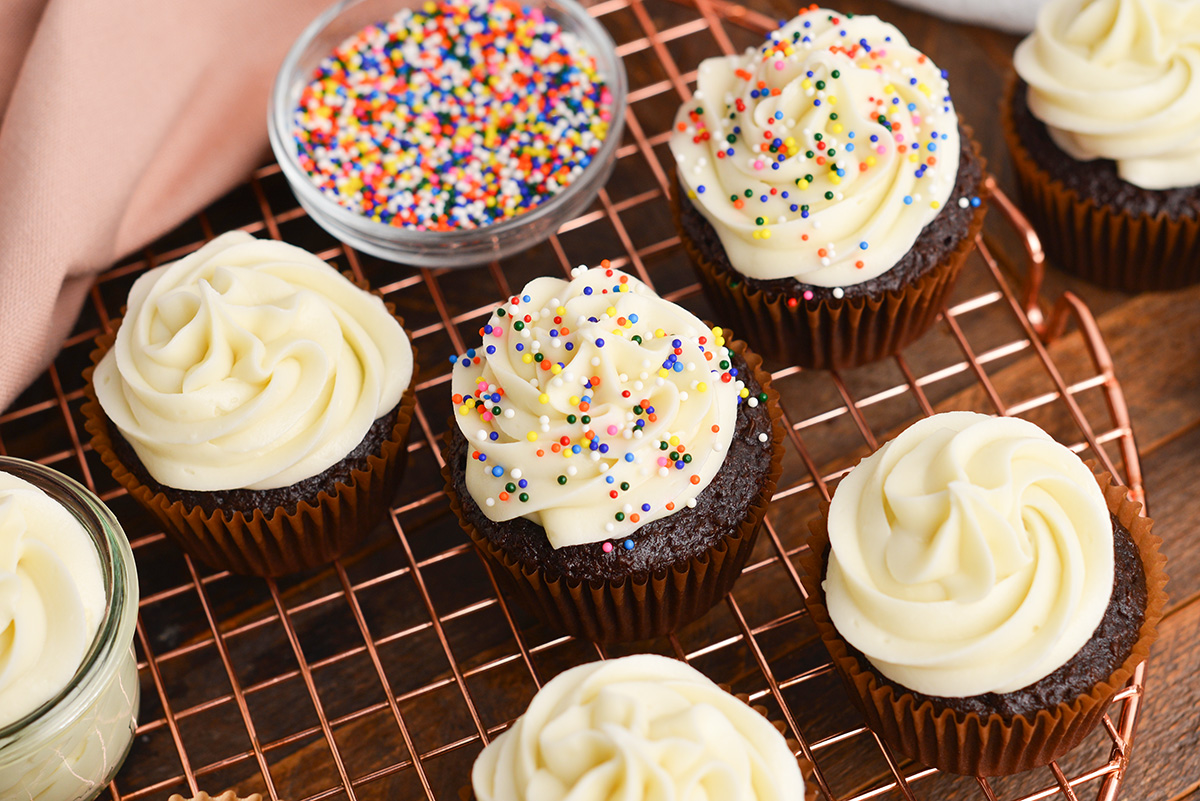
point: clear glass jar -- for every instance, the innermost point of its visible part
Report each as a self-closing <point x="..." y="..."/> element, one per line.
<point x="458" y="248"/>
<point x="70" y="748"/>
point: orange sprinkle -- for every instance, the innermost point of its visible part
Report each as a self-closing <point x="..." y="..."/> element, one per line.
<point x="633" y="518"/>
<point x="695" y="479"/>
<point x="504" y="496"/>
<point x="670" y="506"/>
<point x="541" y="452"/>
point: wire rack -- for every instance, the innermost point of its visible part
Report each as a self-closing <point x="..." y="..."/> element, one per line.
<point x="383" y="676"/>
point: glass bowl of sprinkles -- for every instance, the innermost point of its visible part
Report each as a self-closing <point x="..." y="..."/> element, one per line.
<point x="448" y="133"/>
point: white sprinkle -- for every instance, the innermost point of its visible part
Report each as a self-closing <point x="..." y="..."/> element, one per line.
<point x="838" y="292"/>
<point x="490" y="502"/>
<point x="608" y="527"/>
<point x="662" y="471"/>
<point x="691" y="504"/>
<point x="763" y="437"/>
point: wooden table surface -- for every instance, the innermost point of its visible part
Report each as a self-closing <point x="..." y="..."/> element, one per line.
<point x="202" y="694"/>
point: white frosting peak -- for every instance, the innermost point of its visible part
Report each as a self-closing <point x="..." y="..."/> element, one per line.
<point x="821" y="154"/>
<point x="971" y="554"/>
<point x="594" y="407"/>
<point x="250" y="364"/>
<point x="52" y="597"/>
<point x="1120" y="80"/>
<point x="640" y="728"/>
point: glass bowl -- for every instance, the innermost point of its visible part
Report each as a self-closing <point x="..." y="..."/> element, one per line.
<point x="458" y="248"/>
<point x="70" y="747"/>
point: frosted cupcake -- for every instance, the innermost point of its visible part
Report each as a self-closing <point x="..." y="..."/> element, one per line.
<point x="984" y="594"/>
<point x="257" y="402"/>
<point x="1103" y="122"/>
<point x="638" y="728"/>
<point x="611" y="454"/>
<point x="829" y="196"/>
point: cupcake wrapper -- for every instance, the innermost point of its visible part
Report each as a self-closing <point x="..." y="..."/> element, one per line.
<point x="807" y="768"/>
<point x="640" y="606"/>
<point x="831" y="334"/>
<point x="1102" y="244"/>
<point x="967" y="743"/>
<point x="318" y="531"/>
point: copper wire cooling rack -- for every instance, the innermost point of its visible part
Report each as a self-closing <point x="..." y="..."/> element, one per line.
<point x="383" y="676"/>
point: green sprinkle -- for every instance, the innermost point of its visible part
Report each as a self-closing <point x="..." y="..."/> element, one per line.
<point x="562" y="479"/>
<point x="524" y="497"/>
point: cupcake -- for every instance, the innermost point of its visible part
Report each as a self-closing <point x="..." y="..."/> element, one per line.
<point x="611" y="454"/>
<point x="1103" y="124"/>
<point x="827" y="193"/>
<point x="640" y="727"/>
<point x="257" y="403"/>
<point x="982" y="593"/>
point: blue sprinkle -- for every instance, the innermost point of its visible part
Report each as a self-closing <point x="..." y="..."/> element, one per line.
<point x="569" y="346"/>
<point x="609" y="479"/>
<point x="645" y="507"/>
<point x="849" y="147"/>
<point x="908" y="200"/>
<point x="676" y="343"/>
<point x="495" y="435"/>
<point x="628" y="545"/>
<point x="587" y="290"/>
<point x="793" y="207"/>
<point x="862" y="245"/>
<point x="678" y="367"/>
<point x="497" y="471"/>
<point x="520" y="347"/>
<point x="779" y="115"/>
<point x="522" y="483"/>
<point x="700" y="189"/>
<point x="576" y="449"/>
<point x="483" y="457"/>
<point x="633" y="318"/>
<point x="599" y="342"/>
<point x="491" y="349"/>
<point x="629" y="457"/>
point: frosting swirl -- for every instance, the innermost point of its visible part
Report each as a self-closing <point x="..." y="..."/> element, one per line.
<point x="594" y="406"/>
<point x="1117" y="79"/>
<point x="971" y="554"/>
<point x="821" y="154"/>
<point x="52" y="597"/>
<point x="640" y="727"/>
<point x="250" y="364"/>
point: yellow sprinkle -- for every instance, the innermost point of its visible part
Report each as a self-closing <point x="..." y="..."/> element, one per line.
<point x="756" y="234"/>
<point x="691" y="195"/>
<point x="663" y="372"/>
<point x="480" y="379"/>
<point x="837" y="127"/>
<point x="791" y="140"/>
<point x="745" y="393"/>
<point x="913" y="157"/>
<point x="560" y="311"/>
<point x="870" y="161"/>
<point x="935" y="205"/>
<point x="806" y="84"/>
<point x="658" y="332"/>
<point x="611" y="311"/>
<point x="720" y="342"/>
<point x="923" y="89"/>
<point x="766" y="233"/>
<point x="832" y="100"/>
<point x="835" y="179"/>
<point x="531" y="436"/>
<point x="673" y="441"/>
<point x="717" y="331"/>
<point x="802" y="184"/>
<point x="889" y="89"/>
<point x="527" y="358"/>
<point x="543" y="398"/>
<point x="703" y="387"/>
<point x="463" y="409"/>
<point x="555" y="369"/>
<point x="574" y="400"/>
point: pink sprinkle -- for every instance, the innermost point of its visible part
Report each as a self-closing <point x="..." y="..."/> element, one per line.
<point x="808" y="295"/>
<point x="487" y="415"/>
<point x="758" y="165"/>
<point x="916" y="119"/>
<point x="899" y="137"/>
<point x="612" y="431"/>
<point x="779" y="65"/>
<point x="606" y="547"/>
<point x="881" y="150"/>
<point x="662" y="461"/>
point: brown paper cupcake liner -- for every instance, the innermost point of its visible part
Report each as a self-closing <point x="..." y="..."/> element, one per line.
<point x="832" y="334"/>
<point x="1103" y="244"/>
<point x="228" y="795"/>
<point x="968" y="743"/>
<point x="807" y="769"/>
<point x="317" y="532"/>
<point x="639" y="606"/>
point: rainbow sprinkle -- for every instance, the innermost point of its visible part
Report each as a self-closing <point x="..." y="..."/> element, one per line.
<point x="463" y="114"/>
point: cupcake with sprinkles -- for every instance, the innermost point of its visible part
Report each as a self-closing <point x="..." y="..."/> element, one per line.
<point x="1103" y="124"/>
<point x="611" y="454"/>
<point x="827" y="192"/>
<point x="457" y="115"/>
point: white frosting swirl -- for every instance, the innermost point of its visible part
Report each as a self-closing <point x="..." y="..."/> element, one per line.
<point x="638" y="728"/>
<point x="753" y="149"/>
<point x="971" y="554"/>
<point x="250" y="364"/>
<point x="1120" y="80"/>
<point x="52" y="597"/>
<point x="594" y="407"/>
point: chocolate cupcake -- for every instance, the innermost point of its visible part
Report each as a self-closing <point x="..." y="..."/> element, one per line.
<point x="639" y="727"/>
<point x="827" y="193"/>
<point x="982" y="593"/>
<point x="1104" y="130"/>
<point x="257" y="403"/>
<point x="612" y="454"/>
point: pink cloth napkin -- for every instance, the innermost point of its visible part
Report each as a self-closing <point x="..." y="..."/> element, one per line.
<point x="118" y="120"/>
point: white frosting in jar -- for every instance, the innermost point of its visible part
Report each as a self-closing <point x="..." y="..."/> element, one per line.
<point x="640" y="728"/>
<point x="82" y="757"/>
<point x="250" y="364"/>
<point x="1118" y="79"/>
<point x="52" y="597"/>
<point x="593" y="407"/>
<point x="753" y="149"/>
<point x="971" y="554"/>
